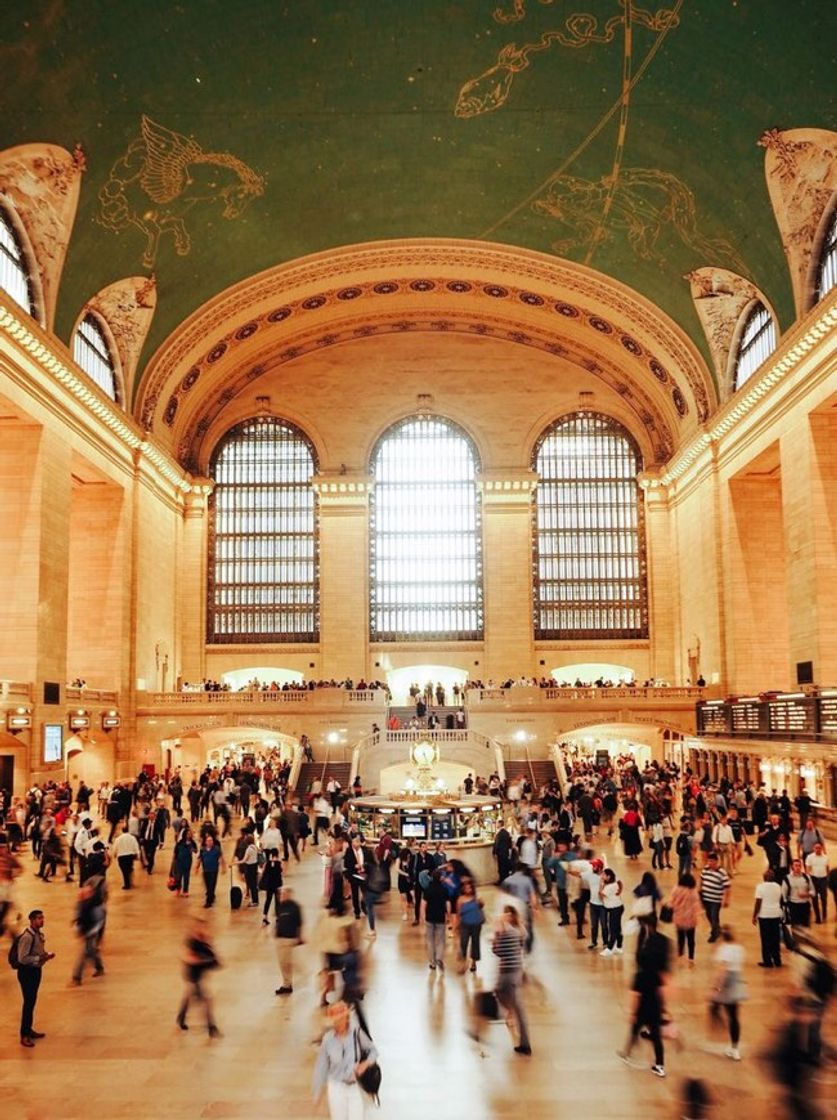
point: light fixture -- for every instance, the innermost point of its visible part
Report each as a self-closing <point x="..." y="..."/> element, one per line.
<point x="333" y="737"/>
<point x="111" y="719"/>
<point x="520" y="736"/>
<point x="79" y="719"/>
<point x="18" y="719"/>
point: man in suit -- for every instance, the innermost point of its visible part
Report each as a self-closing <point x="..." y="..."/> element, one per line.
<point x="422" y="862"/>
<point x="502" y="850"/>
<point x="355" y="863"/>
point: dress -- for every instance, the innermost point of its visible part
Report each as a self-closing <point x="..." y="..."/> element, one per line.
<point x="629" y="830"/>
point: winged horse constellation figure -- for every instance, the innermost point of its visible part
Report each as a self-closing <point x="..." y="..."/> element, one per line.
<point x="161" y="176"/>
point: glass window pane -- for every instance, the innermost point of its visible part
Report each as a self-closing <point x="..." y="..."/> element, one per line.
<point x="264" y="544"/>
<point x="827" y="277"/>
<point x="588" y="540"/>
<point x="92" y="353"/>
<point x="758" y="341"/>
<point x="426" y="539"/>
<point x="14" y="275"/>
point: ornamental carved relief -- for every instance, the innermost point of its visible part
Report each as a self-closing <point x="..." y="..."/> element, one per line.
<point x="720" y="297"/>
<point x="529" y="279"/>
<point x="127" y="306"/>
<point x="801" y="170"/>
<point x="42" y="181"/>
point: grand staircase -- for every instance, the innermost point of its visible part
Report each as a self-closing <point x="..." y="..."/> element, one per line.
<point x="539" y="771"/>
<point x="308" y="771"/>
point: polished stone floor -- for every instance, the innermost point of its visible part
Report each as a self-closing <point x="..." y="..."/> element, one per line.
<point x="113" y="1049"/>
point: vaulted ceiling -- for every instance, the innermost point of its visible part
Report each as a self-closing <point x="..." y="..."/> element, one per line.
<point x="222" y="139"/>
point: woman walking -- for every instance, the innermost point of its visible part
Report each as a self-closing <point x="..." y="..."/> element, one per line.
<point x="469" y="919"/>
<point x="181" y="865"/>
<point x="613" y="908"/>
<point x="405" y="890"/>
<point x="346" y="1052"/>
<point x="270" y="882"/>
<point x="728" y="988"/>
<point x="686" y="909"/>
<point x="649" y="994"/>
<point x="509" y="940"/>
<point x="629" y="827"/>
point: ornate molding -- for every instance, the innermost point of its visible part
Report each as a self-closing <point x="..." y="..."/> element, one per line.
<point x="423" y="272"/>
<point x="225" y="388"/>
<point x="127" y="306"/>
<point x="800" y="166"/>
<point x="720" y="297"/>
<point x="43" y="183"/>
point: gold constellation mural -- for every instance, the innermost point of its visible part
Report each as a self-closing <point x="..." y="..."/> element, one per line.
<point x="161" y="177"/>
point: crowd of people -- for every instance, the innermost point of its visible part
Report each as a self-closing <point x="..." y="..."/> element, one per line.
<point x="556" y="850"/>
<point x="255" y="685"/>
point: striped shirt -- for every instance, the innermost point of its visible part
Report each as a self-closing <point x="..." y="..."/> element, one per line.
<point x="714" y="882"/>
<point x="508" y="946"/>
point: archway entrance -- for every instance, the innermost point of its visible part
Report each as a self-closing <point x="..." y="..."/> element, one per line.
<point x="217" y="746"/>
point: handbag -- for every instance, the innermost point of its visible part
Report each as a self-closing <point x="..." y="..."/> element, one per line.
<point x="666" y="914"/>
<point x="370" y="1079"/>
<point x="486" y="1005"/>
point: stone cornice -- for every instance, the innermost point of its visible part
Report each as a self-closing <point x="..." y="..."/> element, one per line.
<point x="794" y="348"/>
<point x="29" y="338"/>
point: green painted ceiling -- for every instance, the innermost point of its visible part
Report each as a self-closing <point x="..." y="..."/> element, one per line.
<point x="345" y="114"/>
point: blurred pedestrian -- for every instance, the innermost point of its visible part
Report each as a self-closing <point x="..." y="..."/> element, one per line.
<point x="346" y="1051"/>
<point x="508" y="945"/>
<point x="198" y="959"/>
<point x="648" y="1002"/>
<point x="288" y="936"/>
<point x="728" y="988"/>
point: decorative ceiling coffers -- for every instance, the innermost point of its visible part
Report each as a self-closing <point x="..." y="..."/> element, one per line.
<point x="517" y="295"/>
<point x="720" y="297"/>
<point x="43" y="183"/>
<point x="127" y="306"/>
<point x="800" y="166"/>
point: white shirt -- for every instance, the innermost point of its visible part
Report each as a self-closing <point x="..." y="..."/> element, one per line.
<point x="125" y="845"/>
<point x="723" y="834"/>
<point x="592" y="882"/>
<point x="731" y="954"/>
<point x="271" y="838"/>
<point x="771" y="900"/>
<point x="817" y="866"/>
<point x="610" y="898"/>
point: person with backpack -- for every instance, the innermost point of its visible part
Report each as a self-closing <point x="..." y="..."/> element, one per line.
<point x="28" y="956"/>
<point x="797" y="892"/>
<point x="814" y="976"/>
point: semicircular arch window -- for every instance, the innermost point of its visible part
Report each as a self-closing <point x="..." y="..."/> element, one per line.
<point x="756" y="344"/>
<point x="589" y="561"/>
<point x="263" y="571"/>
<point x="827" y="271"/>
<point x="426" y="534"/>
<point x="92" y="352"/>
<point x="14" y="273"/>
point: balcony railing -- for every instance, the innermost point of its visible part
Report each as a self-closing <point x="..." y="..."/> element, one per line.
<point x="269" y="698"/>
<point x="530" y="695"/>
<point x="785" y="716"/>
<point x="92" y="695"/>
<point x="16" y="692"/>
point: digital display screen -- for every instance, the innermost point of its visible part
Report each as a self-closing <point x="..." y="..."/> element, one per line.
<point x="53" y="742"/>
<point x="441" y="827"/>
<point x="414" y="827"/>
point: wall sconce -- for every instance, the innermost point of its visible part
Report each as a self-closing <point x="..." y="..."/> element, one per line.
<point x="79" y="719"/>
<point x="18" y="719"/>
<point x="110" y="719"/>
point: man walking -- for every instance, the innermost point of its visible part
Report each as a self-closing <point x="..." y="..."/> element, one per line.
<point x="31" y="958"/>
<point x="288" y="936"/>
<point x="714" y="892"/>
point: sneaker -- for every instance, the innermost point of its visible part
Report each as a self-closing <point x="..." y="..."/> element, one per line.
<point x="618" y="951"/>
<point x="523" y="1049"/>
<point x="624" y="1056"/>
<point x="27" y="1042"/>
<point x="606" y="953"/>
<point x="734" y="1053"/>
<point x="593" y="945"/>
<point x="284" y="991"/>
<point x="658" y="1071"/>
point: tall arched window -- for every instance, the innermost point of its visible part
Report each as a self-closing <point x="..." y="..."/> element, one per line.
<point x="589" y="532"/>
<point x="827" y="272"/>
<point x="757" y="343"/>
<point x="426" y="541"/>
<point x="14" y="275"/>
<point x="92" y="352"/>
<point x="263" y="573"/>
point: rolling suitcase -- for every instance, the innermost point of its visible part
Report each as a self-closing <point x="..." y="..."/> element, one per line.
<point x="236" y="895"/>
